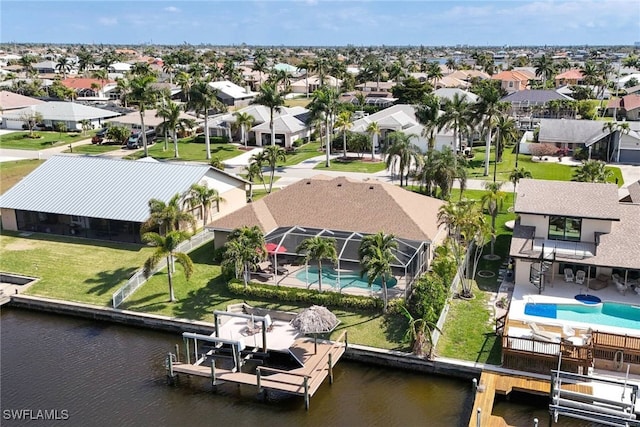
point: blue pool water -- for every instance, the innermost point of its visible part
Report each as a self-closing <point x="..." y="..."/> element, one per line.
<point x="608" y="313"/>
<point x="351" y="279"/>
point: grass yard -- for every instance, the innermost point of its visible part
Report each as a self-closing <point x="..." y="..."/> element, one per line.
<point x="94" y="148"/>
<point x="189" y="151"/>
<point x="79" y="270"/>
<point x="302" y="153"/>
<point x="298" y="102"/>
<point x="551" y="170"/>
<point x="48" y="139"/>
<point x="353" y="165"/>
<point x="12" y="172"/>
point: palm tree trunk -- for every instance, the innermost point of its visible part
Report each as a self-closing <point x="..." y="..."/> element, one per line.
<point x="344" y="144"/>
<point x="172" y="297"/>
<point x="144" y="133"/>
<point x="244" y="135"/>
<point x="487" y="150"/>
<point x="207" y="142"/>
<point x="374" y="140"/>
<point x="273" y="133"/>
<point x="245" y="274"/>
<point x="384" y="294"/>
<point x="328" y="144"/>
<point x="175" y="144"/>
<point x="320" y="275"/>
<point x="273" y="170"/>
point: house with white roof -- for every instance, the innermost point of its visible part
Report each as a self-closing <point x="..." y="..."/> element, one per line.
<point x="402" y="118"/>
<point x="300" y="86"/>
<point x="233" y="95"/>
<point x="71" y="114"/>
<point x="108" y="199"/>
<point x="289" y="124"/>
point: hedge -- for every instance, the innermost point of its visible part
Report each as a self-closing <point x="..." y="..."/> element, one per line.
<point x="308" y="296"/>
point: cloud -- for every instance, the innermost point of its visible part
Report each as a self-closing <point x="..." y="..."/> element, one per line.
<point x="108" y="21"/>
<point x="171" y="9"/>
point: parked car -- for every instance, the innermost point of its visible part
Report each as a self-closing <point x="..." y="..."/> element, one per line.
<point x="135" y="140"/>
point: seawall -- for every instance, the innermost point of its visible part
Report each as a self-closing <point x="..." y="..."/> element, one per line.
<point x="359" y="353"/>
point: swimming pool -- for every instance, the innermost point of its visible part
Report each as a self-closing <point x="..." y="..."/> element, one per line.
<point x="348" y="279"/>
<point x="607" y="314"/>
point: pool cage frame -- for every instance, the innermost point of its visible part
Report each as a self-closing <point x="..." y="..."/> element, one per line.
<point x="411" y="259"/>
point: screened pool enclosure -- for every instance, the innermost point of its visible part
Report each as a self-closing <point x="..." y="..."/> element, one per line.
<point x="410" y="259"/>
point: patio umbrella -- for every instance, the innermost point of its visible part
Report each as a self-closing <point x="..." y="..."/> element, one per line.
<point x="315" y="320"/>
<point x="273" y="248"/>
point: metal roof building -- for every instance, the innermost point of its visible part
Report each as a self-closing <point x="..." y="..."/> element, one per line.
<point x="71" y="192"/>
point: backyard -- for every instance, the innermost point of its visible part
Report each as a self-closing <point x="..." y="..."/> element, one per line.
<point x="12" y="172"/>
<point x="352" y="165"/>
<point x="47" y="139"/>
<point x="189" y="150"/>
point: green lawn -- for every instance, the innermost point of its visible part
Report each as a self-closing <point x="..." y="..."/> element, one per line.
<point x="354" y="165"/>
<point x="71" y="269"/>
<point x="48" y="139"/>
<point x="94" y="148"/>
<point x="551" y="170"/>
<point x="12" y="172"/>
<point x="302" y="153"/>
<point x="189" y="151"/>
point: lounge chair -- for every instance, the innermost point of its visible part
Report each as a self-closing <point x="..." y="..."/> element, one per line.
<point x="580" y="276"/>
<point x="568" y="275"/>
<point x="620" y="285"/>
<point x="540" y="333"/>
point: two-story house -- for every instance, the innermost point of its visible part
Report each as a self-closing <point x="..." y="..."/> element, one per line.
<point x="577" y="226"/>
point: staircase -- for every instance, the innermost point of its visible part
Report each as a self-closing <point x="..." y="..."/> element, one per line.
<point x="536" y="273"/>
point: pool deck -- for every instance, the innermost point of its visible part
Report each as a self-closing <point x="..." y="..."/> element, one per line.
<point x="290" y="279"/>
<point x="561" y="292"/>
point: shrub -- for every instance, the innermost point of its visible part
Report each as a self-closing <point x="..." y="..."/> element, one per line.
<point x="304" y="296"/>
<point x="199" y="139"/>
<point x="543" y="149"/>
<point x="427" y="298"/>
<point x="298" y="142"/>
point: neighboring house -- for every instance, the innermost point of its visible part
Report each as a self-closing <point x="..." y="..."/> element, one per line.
<point x="106" y="198"/>
<point x="528" y="106"/>
<point x="627" y="107"/>
<point x="448" y="93"/>
<point x="151" y="121"/>
<point x="90" y="89"/>
<point x="289" y="125"/>
<point x="569" y="78"/>
<point x="346" y="210"/>
<point x="634" y="90"/>
<point x="634" y="193"/>
<point x="513" y="81"/>
<point x="232" y="95"/>
<point x="602" y="144"/>
<point x="120" y="67"/>
<point x="70" y="113"/>
<point x="379" y="99"/>
<point x="376" y="87"/>
<point x="568" y="227"/>
<point x="402" y="118"/>
<point x="300" y="86"/>
<point x="10" y="101"/>
<point x="45" y="67"/>
<point x="469" y="75"/>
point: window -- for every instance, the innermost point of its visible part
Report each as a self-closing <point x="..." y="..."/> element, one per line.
<point x="564" y="228"/>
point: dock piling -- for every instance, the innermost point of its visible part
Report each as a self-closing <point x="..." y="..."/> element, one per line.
<point x="330" y="369"/>
<point x="213" y="372"/>
<point x="258" y="379"/>
<point x="306" y="393"/>
<point x="479" y="418"/>
<point x="177" y="353"/>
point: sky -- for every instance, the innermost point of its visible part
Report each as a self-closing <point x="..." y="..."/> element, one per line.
<point x="323" y="22"/>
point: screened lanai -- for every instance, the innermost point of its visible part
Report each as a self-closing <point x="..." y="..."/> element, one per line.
<point x="410" y="258"/>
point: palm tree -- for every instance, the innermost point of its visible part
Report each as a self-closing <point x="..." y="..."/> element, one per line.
<point x="544" y="68"/>
<point x="183" y="79"/>
<point x="343" y="123"/>
<point x="488" y="107"/>
<point x="85" y="60"/>
<point x="427" y="115"/>
<point x="27" y="64"/>
<point x="375" y="70"/>
<point x="507" y="132"/>
<point x="515" y="176"/>
<point x="434" y="72"/>
<point x="169" y="67"/>
<point x="376" y="255"/>
<point x="245" y="247"/>
<point x="401" y="154"/>
<point x="615" y="131"/>
<point x="168" y="216"/>
<point x="444" y="170"/>
<point x="492" y="201"/>
<point x="166" y="247"/>
<point x="318" y="248"/>
<point x="451" y="64"/>
<point x="592" y="171"/>
<point x="63" y="66"/>
<point x="204" y="197"/>
<point x="325" y="103"/>
<point x="308" y="65"/>
<point x="456" y="116"/>
<point x="374" y="131"/>
<point x="101" y="75"/>
<point x="254" y="171"/>
<point x="171" y="113"/>
<point x="419" y="333"/>
<point x="123" y="86"/>
<point x="260" y="65"/>
<point x="245" y="121"/>
<point x="203" y="97"/>
<point x="271" y="154"/>
<point x="143" y="96"/>
<point x="273" y="100"/>
<point x="141" y="69"/>
<point x="256" y="163"/>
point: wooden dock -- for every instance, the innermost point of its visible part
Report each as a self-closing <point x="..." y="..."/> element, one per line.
<point x="492" y="383"/>
<point x="304" y="381"/>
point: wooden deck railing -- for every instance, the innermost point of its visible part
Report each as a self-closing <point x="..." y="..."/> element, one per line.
<point x="532" y="355"/>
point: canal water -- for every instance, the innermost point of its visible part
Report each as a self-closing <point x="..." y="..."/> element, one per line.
<point x="77" y="372"/>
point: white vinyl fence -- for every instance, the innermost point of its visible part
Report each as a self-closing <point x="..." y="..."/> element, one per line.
<point x="138" y="278"/>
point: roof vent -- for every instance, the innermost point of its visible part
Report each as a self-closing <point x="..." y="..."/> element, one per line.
<point x="371" y="187"/>
<point x="308" y="182"/>
<point x="339" y="185"/>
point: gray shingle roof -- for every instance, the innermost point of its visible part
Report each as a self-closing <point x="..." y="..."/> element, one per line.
<point x="575" y="199"/>
<point x="100" y="187"/>
<point x="571" y="131"/>
<point x="534" y="97"/>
